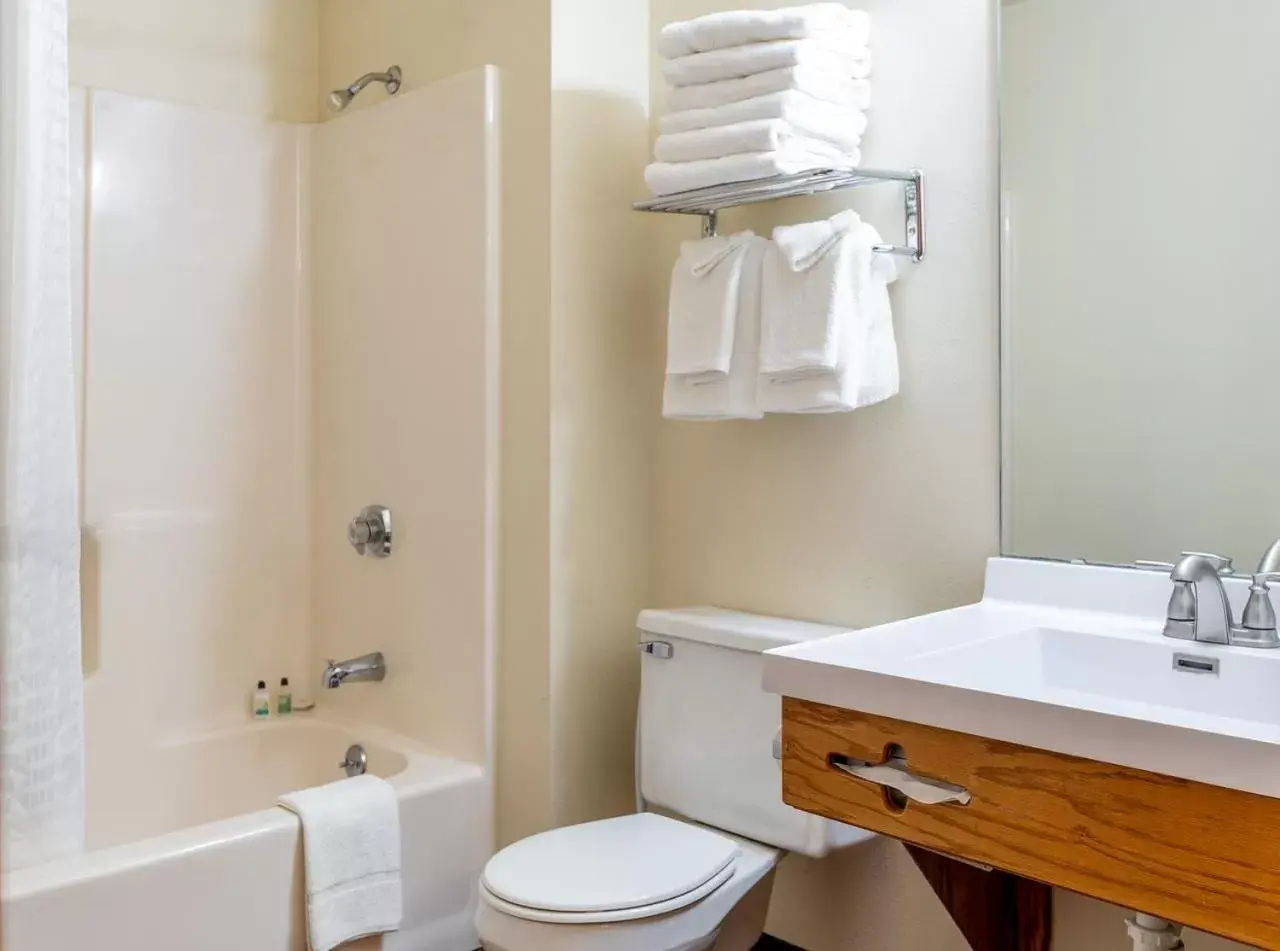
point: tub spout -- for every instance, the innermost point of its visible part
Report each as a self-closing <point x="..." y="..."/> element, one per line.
<point x="368" y="667"/>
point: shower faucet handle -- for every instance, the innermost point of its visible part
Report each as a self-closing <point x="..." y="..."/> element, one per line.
<point x="370" y="531"/>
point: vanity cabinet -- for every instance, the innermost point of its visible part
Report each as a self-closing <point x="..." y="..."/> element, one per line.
<point x="1202" y="855"/>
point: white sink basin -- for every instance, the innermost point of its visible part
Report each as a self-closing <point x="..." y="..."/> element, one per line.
<point x="1067" y="658"/>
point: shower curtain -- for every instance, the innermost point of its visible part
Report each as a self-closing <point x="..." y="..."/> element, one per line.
<point x="41" y="682"/>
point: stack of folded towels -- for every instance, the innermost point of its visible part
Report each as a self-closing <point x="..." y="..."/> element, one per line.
<point x="799" y="324"/>
<point x="757" y="93"/>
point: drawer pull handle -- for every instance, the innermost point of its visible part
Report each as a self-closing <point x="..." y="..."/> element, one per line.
<point x="894" y="774"/>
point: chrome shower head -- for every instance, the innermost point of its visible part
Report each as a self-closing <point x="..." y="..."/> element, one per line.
<point x="339" y="99"/>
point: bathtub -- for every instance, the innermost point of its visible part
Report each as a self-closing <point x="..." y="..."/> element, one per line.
<point x="191" y="855"/>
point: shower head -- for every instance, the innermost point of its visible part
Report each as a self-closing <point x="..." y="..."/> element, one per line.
<point x="339" y="99"/>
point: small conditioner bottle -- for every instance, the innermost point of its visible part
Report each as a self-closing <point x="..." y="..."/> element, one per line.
<point x="284" y="699"/>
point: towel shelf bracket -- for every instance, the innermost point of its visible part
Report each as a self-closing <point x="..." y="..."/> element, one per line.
<point x="706" y="202"/>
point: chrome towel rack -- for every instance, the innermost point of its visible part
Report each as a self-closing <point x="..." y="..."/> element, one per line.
<point x="707" y="202"/>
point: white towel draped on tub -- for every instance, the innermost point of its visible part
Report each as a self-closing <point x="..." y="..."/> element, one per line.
<point x="737" y="61"/>
<point x="738" y="27"/>
<point x="865" y="368"/>
<point x="821" y="84"/>
<point x="351" y="853"/>
<point x="734" y="395"/>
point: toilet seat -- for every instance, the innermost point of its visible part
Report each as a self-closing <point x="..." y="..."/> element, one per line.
<point x="608" y="917"/>
<point x="620" y="869"/>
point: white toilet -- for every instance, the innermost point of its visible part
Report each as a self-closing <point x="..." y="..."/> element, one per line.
<point x="702" y="878"/>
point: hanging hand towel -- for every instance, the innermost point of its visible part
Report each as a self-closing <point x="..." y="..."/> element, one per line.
<point x="737" y="61"/>
<point x="351" y="854"/>
<point x="702" y="315"/>
<point x="734" y="396"/>
<point x="806" y="115"/>
<point x="808" y="295"/>
<point x="819" y="83"/>
<point x="738" y="27"/>
<point x="663" y="178"/>
<point x="867" y="366"/>
<point x="756" y="135"/>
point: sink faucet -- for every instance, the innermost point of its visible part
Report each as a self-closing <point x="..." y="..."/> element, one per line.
<point x="367" y="667"/>
<point x="1198" y="607"/>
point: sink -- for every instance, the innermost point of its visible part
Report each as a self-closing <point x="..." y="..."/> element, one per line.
<point x="1094" y="671"/>
<point x="1063" y="657"/>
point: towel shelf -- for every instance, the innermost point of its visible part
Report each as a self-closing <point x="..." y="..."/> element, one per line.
<point x="706" y="202"/>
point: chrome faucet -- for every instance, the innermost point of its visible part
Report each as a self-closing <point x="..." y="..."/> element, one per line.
<point x="1195" y="615"/>
<point x="1192" y="616"/>
<point x="369" y="667"/>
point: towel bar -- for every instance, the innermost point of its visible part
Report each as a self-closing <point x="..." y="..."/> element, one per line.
<point x="706" y="202"/>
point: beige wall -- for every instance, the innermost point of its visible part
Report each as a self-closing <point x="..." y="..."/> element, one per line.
<point x="603" y="377"/>
<point x="404" y="405"/>
<point x="252" y="56"/>
<point x="882" y="513"/>
<point x="430" y="41"/>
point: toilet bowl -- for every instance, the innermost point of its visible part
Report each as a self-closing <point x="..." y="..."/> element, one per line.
<point x="699" y="873"/>
<point x="635" y="883"/>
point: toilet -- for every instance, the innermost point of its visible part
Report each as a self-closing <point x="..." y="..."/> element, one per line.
<point x="695" y="869"/>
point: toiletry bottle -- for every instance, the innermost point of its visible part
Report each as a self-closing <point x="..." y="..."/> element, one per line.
<point x="261" y="701"/>
<point x="284" y="699"/>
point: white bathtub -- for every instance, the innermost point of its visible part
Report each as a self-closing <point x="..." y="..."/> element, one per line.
<point x="192" y="856"/>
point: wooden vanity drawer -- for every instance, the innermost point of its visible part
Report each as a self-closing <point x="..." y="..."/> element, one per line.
<point x="1201" y="855"/>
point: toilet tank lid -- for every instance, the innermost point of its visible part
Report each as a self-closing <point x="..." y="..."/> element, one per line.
<point x="733" y="629"/>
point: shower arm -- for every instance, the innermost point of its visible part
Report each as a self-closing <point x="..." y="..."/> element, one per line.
<point x="391" y="79"/>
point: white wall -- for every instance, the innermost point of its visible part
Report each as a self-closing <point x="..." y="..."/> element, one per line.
<point x="404" y="406"/>
<point x="885" y="512"/>
<point x="195" y="485"/>
<point x="1141" y="321"/>
<point x="253" y="56"/>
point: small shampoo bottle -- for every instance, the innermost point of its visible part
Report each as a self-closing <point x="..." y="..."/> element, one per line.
<point x="261" y="702"/>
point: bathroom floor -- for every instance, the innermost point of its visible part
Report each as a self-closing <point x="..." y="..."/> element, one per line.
<point x="770" y="943"/>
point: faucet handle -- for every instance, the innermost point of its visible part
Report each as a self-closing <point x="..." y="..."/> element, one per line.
<point x="1222" y="564"/>
<point x="1153" y="565"/>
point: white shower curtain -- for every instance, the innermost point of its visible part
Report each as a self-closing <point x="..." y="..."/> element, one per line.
<point x="41" y="682"/>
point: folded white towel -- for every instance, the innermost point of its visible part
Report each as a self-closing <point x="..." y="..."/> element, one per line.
<point x="808" y="294"/>
<point x="703" y="309"/>
<point x="807" y="116"/>
<point x="866" y="369"/>
<point x="756" y="135"/>
<point x="351" y="853"/>
<point x="733" y="396"/>
<point x="737" y="27"/>
<point x="818" y="83"/>
<point x="663" y="178"/>
<point x="737" y="61"/>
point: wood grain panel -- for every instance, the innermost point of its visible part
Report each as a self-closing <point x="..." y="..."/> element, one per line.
<point x="994" y="910"/>
<point x="1201" y="855"/>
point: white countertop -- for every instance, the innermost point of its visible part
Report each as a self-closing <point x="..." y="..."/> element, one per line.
<point x="1067" y="658"/>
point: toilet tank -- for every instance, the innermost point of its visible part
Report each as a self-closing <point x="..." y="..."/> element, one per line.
<point x="707" y="726"/>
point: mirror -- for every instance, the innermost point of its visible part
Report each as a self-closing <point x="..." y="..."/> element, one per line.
<point x="1140" y="326"/>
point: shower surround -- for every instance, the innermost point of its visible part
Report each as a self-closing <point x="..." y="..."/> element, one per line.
<point x="239" y="405"/>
